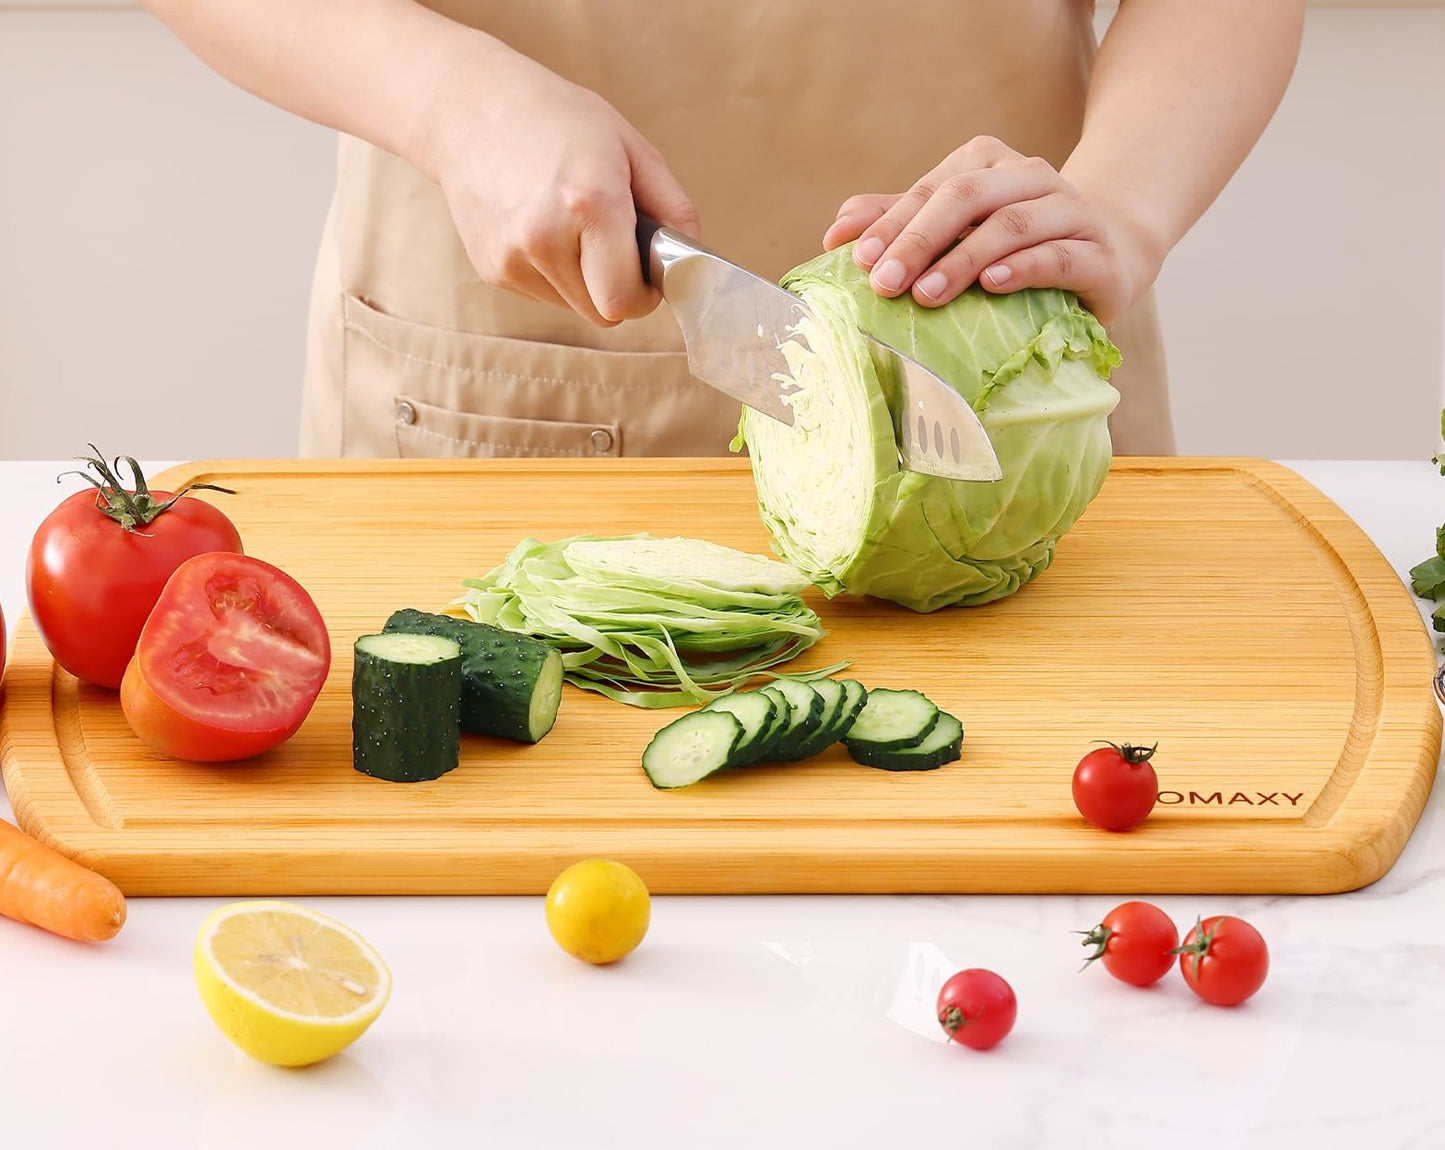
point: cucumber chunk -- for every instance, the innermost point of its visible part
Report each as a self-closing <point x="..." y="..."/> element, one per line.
<point x="406" y="695"/>
<point x="943" y="744"/>
<point x="891" y="720"/>
<point x="691" y="748"/>
<point x="511" y="684"/>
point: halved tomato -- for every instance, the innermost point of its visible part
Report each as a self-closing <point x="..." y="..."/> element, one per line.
<point x="229" y="662"/>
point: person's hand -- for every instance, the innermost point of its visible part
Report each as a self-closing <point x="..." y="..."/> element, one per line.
<point x="544" y="179"/>
<point x="1022" y="224"/>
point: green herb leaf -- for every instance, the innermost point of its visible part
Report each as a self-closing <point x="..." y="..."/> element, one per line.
<point x="1427" y="579"/>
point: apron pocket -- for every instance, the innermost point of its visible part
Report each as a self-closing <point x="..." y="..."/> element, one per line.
<point x="412" y="390"/>
<point x="425" y="431"/>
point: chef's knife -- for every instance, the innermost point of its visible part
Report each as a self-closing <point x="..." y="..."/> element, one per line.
<point x="734" y="322"/>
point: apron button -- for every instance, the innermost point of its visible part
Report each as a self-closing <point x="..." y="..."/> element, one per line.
<point x="405" y="413"/>
<point x="601" y="440"/>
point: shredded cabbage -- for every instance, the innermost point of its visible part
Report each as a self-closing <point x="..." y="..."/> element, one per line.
<point x="650" y="622"/>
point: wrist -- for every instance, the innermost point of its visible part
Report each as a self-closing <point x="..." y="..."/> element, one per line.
<point x="453" y="64"/>
<point x="1140" y="233"/>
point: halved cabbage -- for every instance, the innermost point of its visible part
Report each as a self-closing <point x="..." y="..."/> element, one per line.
<point x="1034" y="364"/>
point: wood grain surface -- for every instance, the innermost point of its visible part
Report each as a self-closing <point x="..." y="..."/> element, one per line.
<point x="1223" y="607"/>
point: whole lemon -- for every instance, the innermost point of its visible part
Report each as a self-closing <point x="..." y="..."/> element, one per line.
<point x="598" y="910"/>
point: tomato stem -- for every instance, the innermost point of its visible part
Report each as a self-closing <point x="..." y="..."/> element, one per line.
<point x="1098" y="938"/>
<point x="1199" y="947"/>
<point x="953" y="1020"/>
<point x="1130" y="753"/>
<point x="130" y="508"/>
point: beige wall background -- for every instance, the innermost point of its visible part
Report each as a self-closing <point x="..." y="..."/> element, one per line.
<point x="157" y="228"/>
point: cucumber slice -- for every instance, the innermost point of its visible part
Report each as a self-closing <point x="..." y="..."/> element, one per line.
<point x="830" y="726"/>
<point x="856" y="698"/>
<point x="691" y="748"/>
<point x="891" y="720"/>
<point x="406" y="695"/>
<point x="942" y="745"/>
<point x="756" y="712"/>
<point x="782" y="717"/>
<point x="511" y="684"/>
<point x="805" y="715"/>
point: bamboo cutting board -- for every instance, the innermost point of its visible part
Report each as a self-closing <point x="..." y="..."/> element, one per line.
<point x="1224" y="608"/>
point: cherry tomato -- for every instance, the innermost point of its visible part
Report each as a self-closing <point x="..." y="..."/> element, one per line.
<point x="1136" y="941"/>
<point x="1224" y="960"/>
<point x="229" y="662"/>
<point x="598" y="910"/>
<point x="1115" y="787"/>
<point x="977" y="1008"/>
<point x="98" y="562"/>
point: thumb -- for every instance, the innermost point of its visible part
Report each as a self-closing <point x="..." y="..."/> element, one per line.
<point x="656" y="192"/>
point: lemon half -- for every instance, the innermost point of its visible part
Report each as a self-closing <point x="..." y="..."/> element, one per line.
<point x="286" y="984"/>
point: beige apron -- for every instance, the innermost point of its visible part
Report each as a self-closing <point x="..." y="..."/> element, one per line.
<point x="770" y="113"/>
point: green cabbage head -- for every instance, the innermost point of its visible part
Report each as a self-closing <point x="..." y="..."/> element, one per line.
<point x="1034" y="364"/>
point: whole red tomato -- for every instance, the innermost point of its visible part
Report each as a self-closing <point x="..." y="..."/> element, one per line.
<point x="1136" y="941"/>
<point x="1224" y="960"/>
<point x="977" y="1008"/>
<point x="98" y="562"/>
<point x="1115" y="787"/>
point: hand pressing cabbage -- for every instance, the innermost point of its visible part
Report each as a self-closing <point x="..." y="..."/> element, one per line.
<point x="1034" y="364"/>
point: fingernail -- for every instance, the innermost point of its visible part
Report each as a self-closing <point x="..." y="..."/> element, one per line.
<point x="889" y="277"/>
<point x="868" y="251"/>
<point x="999" y="274"/>
<point x="933" y="285"/>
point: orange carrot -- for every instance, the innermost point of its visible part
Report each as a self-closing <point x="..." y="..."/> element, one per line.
<point x="42" y="887"/>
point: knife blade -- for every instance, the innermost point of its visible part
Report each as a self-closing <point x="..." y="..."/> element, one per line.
<point x="735" y="322"/>
<point x="937" y="431"/>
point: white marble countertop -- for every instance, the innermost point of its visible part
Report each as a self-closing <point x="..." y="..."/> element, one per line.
<point x="762" y="1021"/>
